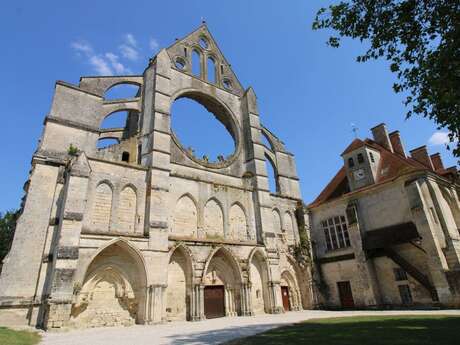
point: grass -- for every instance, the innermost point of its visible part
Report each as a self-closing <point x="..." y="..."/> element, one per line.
<point x="11" y="337"/>
<point x="364" y="330"/>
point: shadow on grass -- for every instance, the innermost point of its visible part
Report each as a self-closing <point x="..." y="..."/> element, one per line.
<point x="391" y="330"/>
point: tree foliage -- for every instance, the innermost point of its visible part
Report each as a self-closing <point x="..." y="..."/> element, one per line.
<point x="421" y="41"/>
<point x="7" y="227"/>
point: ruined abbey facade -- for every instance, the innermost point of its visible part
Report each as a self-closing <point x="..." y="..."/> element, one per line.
<point x="143" y="231"/>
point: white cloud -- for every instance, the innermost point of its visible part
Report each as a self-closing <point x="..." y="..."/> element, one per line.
<point x="153" y="44"/>
<point x="112" y="62"/>
<point x="82" y="47"/>
<point x="100" y="65"/>
<point x="439" y="138"/>
<point x="130" y="40"/>
<point x="129" y="52"/>
<point x="118" y="67"/>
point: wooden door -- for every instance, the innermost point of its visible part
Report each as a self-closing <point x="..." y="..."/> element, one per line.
<point x="285" y="296"/>
<point x="214" y="305"/>
<point x="345" y="294"/>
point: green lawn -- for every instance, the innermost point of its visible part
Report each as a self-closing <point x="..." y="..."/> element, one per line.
<point x="10" y="337"/>
<point x="364" y="330"/>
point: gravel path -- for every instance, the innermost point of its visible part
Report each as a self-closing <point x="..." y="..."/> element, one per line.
<point x="206" y="332"/>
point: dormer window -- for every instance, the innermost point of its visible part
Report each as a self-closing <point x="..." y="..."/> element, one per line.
<point x="360" y="158"/>
<point x="351" y="162"/>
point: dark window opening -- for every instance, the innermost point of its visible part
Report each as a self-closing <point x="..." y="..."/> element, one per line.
<point x="400" y="274"/>
<point x="222" y="69"/>
<point x="125" y="157"/>
<point x="360" y="158"/>
<point x="336" y="233"/>
<point x="351" y="162"/>
<point x="185" y="52"/>
<point x="404" y="292"/>
<point x="139" y="154"/>
<point x="371" y="156"/>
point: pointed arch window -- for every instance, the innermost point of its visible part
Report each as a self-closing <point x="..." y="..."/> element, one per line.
<point x="211" y="69"/>
<point x="196" y="63"/>
<point x="272" y="175"/>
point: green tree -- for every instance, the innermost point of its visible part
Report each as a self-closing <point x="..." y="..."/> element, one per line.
<point x="421" y="41"/>
<point x="7" y="226"/>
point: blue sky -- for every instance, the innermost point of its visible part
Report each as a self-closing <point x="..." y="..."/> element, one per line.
<point x="309" y="94"/>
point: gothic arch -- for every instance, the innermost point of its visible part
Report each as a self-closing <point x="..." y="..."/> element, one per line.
<point x="101" y="206"/>
<point x="230" y="257"/>
<point x="185" y="216"/>
<point x="259" y="276"/>
<point x="214" y="218"/>
<point x="129" y="247"/>
<point x="277" y="225"/>
<point x="113" y="288"/>
<point x="180" y="280"/>
<point x="223" y="272"/>
<point x="238" y="223"/>
<point x="180" y="246"/>
<point x="127" y="208"/>
<point x="111" y="109"/>
<point x="290" y="277"/>
<point x="288" y="226"/>
<point x="119" y="83"/>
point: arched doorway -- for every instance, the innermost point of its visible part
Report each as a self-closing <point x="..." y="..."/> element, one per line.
<point x="258" y="275"/>
<point x="179" y="285"/>
<point x="113" y="290"/>
<point x="290" y="294"/>
<point x="222" y="284"/>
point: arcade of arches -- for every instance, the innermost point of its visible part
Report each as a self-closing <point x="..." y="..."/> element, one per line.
<point x="115" y="290"/>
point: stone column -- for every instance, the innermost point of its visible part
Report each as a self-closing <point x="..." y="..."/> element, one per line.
<point x="67" y="249"/>
<point x="197" y="308"/>
<point x="276" y="305"/>
<point x="155" y="309"/>
<point x="246" y="303"/>
<point x="255" y="157"/>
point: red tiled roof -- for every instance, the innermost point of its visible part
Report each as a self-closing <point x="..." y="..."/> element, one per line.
<point x="391" y="166"/>
<point x="355" y="144"/>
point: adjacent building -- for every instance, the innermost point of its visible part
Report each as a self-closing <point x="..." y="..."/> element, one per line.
<point x="385" y="230"/>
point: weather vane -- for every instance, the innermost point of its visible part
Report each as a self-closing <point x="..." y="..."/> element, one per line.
<point x="354" y="129"/>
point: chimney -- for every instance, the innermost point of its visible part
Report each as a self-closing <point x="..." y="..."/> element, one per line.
<point x="437" y="162"/>
<point x="420" y="154"/>
<point x="381" y="137"/>
<point x="396" y="143"/>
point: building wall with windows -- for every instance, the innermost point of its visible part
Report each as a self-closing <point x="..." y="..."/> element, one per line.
<point x="144" y="231"/>
<point x="385" y="230"/>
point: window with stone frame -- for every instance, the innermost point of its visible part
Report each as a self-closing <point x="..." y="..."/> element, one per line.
<point x="360" y="158"/>
<point x="336" y="233"/>
<point x="400" y="274"/>
<point x="351" y="162"/>
<point x="406" y="295"/>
